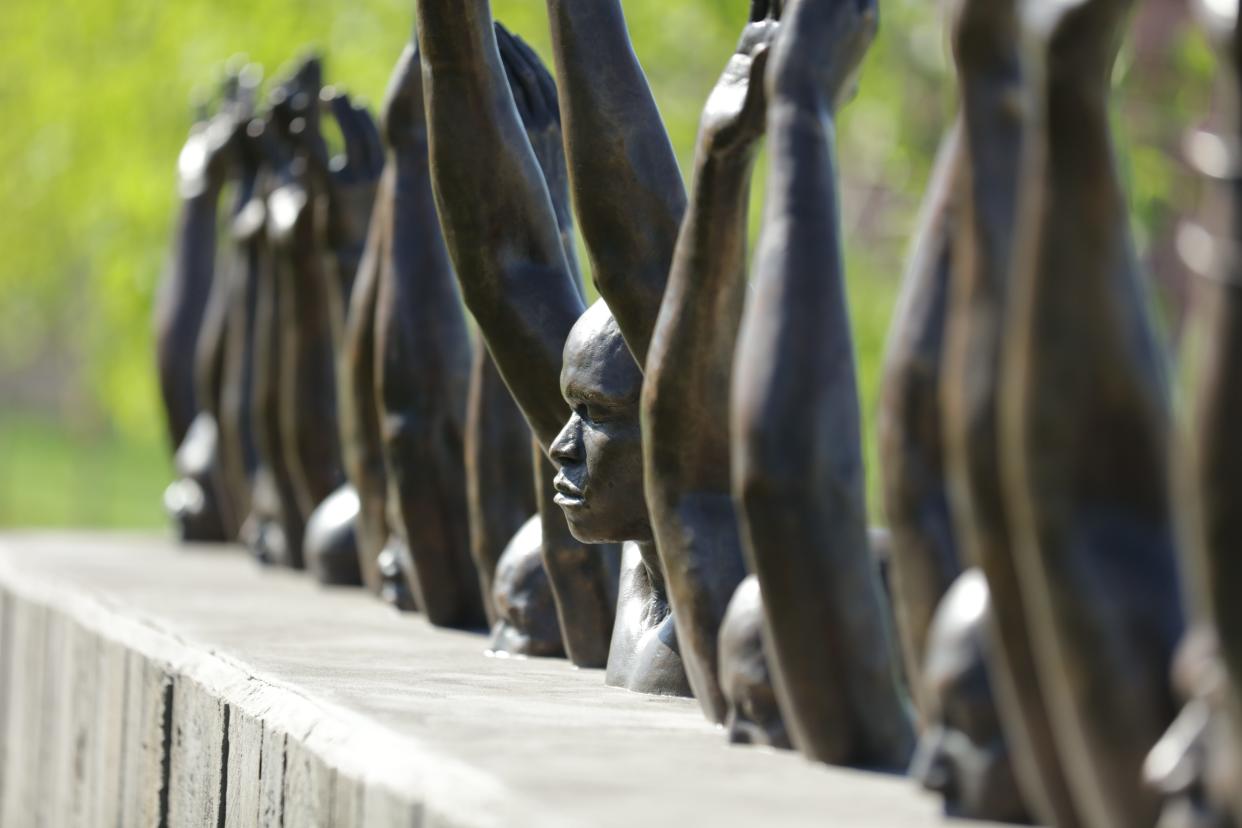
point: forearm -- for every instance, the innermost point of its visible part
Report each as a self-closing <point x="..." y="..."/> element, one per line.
<point x="191" y="275"/>
<point x="361" y="442"/>
<point x="798" y="461"/>
<point x="423" y="349"/>
<point x="488" y="186"/>
<point x="710" y="257"/>
<point x="690" y="361"/>
<point x="416" y="247"/>
<point x="993" y="117"/>
<point x="615" y="138"/>
<point x="180" y="308"/>
<point x="499" y="226"/>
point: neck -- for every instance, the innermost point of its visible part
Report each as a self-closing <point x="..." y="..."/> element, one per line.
<point x="651" y="562"/>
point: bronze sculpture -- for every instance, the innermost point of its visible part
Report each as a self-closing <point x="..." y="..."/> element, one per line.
<point x="797" y="464"/>
<point x="349" y="184"/>
<point x="986" y="41"/>
<point x="1086" y="470"/>
<point x="425" y="364"/>
<point x="274" y="526"/>
<point x="689" y="367"/>
<point x="924" y="558"/>
<point x="310" y="260"/>
<point x="1213" y="450"/>
<point x="330" y="543"/>
<point x="525" y="613"/>
<point x="510" y="261"/>
<point x="362" y="448"/>
<point x="182" y="298"/>
<point x="195" y="499"/>
<point x="753" y="716"/>
<point x="238" y="296"/>
<point x="583" y="576"/>
<point x="422" y="364"/>
<point x="500" y="479"/>
<point x="307" y="262"/>
<point x="1194" y="767"/>
<point x="962" y="752"/>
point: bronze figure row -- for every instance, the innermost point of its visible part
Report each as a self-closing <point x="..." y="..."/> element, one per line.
<point x="668" y="483"/>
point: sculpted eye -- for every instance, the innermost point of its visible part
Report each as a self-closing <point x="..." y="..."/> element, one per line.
<point x="593" y="412"/>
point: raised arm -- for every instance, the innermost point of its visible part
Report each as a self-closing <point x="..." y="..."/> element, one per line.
<point x="628" y="192"/>
<point x="498" y="220"/>
<point x="1085" y="469"/>
<point x="183" y="294"/>
<point x="994" y="90"/>
<point x="689" y="366"/>
<point x="797" y="459"/>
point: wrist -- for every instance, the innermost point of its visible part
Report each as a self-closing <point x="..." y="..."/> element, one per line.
<point x="804" y="95"/>
<point x="200" y="187"/>
<point x="723" y="152"/>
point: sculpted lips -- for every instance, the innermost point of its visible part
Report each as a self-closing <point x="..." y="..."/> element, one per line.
<point x="567" y="494"/>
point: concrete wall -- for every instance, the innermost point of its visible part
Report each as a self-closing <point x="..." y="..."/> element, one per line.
<point x="143" y="684"/>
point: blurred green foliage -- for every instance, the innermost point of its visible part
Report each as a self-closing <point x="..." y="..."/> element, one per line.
<point x="95" y="97"/>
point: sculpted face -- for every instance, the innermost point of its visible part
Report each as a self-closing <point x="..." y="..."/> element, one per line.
<point x="962" y="754"/>
<point x="527" y="624"/>
<point x="753" y="717"/>
<point x="599" y="452"/>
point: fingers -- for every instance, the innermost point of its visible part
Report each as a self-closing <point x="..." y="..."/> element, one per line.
<point x="343" y="114"/>
<point x="543" y="79"/>
<point x="511" y="60"/>
<point x="309" y="74"/>
<point x="408" y="71"/>
<point x="249" y="80"/>
<point x="756" y="86"/>
<point x="371" y="138"/>
<point x="363" y="151"/>
<point x="529" y="70"/>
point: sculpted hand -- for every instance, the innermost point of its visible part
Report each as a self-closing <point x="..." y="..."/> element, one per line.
<point x="534" y="93"/>
<point x="204" y="160"/>
<point x="733" y="118"/>
<point x="353" y="176"/>
<point x="295" y="114"/>
<point x="819" y="52"/>
<point x="403" y="117"/>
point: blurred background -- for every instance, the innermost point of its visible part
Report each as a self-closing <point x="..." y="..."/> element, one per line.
<point x="95" y="98"/>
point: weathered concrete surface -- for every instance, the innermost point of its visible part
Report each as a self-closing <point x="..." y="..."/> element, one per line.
<point x="145" y="684"/>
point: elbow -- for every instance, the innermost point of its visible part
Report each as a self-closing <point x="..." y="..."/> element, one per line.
<point x="404" y="435"/>
<point x="781" y="473"/>
<point x="765" y="490"/>
<point x="770" y="467"/>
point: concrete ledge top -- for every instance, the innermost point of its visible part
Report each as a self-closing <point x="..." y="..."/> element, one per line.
<point x="388" y="701"/>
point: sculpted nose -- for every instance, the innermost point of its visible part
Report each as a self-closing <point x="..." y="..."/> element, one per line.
<point x="566" y="448"/>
